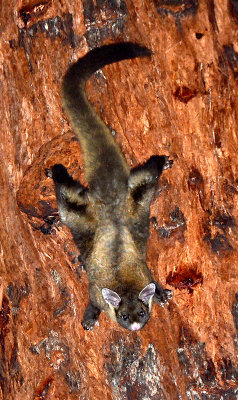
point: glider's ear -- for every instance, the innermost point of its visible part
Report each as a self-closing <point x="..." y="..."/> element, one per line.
<point x="111" y="297"/>
<point x="146" y="293"/>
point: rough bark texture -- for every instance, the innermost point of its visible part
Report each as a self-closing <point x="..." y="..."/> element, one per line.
<point x="183" y="103"/>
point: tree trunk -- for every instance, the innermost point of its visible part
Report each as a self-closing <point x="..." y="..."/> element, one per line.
<point x="182" y="103"/>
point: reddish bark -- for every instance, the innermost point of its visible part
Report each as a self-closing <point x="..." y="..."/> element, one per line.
<point x="182" y="103"/>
